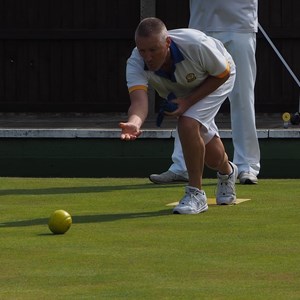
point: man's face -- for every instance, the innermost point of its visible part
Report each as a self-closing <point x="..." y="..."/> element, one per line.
<point x="153" y="50"/>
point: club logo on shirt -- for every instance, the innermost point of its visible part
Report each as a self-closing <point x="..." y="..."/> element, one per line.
<point x="190" y="77"/>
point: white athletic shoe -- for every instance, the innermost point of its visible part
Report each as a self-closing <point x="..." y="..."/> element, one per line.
<point x="167" y="177"/>
<point x="193" y="202"/>
<point x="226" y="187"/>
<point x="247" y="178"/>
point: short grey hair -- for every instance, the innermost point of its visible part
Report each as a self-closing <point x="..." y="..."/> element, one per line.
<point x="151" y="26"/>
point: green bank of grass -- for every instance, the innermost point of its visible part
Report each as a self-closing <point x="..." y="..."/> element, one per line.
<point x="124" y="242"/>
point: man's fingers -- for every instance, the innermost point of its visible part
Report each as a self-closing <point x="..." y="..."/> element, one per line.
<point x="129" y="132"/>
<point x="128" y="137"/>
<point x="122" y="125"/>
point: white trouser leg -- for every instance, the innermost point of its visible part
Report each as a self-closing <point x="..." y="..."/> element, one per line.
<point x="246" y="147"/>
<point x="178" y="167"/>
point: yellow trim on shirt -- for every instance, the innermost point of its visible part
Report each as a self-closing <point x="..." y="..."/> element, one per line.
<point x="137" y="87"/>
<point x="225" y="73"/>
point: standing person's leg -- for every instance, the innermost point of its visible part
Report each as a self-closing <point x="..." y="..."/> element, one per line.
<point x="177" y="171"/>
<point x="178" y="167"/>
<point x="246" y="147"/>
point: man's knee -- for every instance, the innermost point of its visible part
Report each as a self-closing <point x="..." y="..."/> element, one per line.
<point x="187" y="122"/>
<point x="188" y="126"/>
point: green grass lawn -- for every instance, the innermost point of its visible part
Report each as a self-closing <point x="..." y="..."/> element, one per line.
<point x="125" y="243"/>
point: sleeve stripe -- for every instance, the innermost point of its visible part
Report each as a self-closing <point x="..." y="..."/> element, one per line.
<point x="137" y="87"/>
<point x="226" y="72"/>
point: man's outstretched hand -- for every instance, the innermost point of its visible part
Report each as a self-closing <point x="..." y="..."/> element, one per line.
<point x="129" y="131"/>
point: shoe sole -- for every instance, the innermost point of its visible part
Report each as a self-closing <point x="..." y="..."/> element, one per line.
<point x="220" y="202"/>
<point x="176" y="212"/>
<point x="248" y="181"/>
<point x="224" y="203"/>
<point x="170" y="182"/>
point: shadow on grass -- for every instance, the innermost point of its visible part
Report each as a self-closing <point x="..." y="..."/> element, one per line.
<point x="87" y="189"/>
<point x="91" y="218"/>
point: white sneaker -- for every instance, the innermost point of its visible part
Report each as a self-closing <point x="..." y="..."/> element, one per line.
<point x="226" y="187"/>
<point x="167" y="177"/>
<point x="193" y="202"/>
<point x="247" y="178"/>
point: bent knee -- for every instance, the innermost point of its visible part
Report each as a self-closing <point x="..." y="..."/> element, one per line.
<point x="187" y="123"/>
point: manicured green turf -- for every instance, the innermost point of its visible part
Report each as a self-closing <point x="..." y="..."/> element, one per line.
<point x="124" y="242"/>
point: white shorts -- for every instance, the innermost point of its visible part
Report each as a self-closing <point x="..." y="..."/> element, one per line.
<point x="205" y="110"/>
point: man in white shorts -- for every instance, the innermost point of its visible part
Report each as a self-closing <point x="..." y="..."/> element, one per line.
<point x="199" y="73"/>
<point x="234" y="23"/>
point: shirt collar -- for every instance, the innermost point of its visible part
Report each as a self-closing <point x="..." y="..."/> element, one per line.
<point x="177" y="57"/>
<point x="176" y="53"/>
